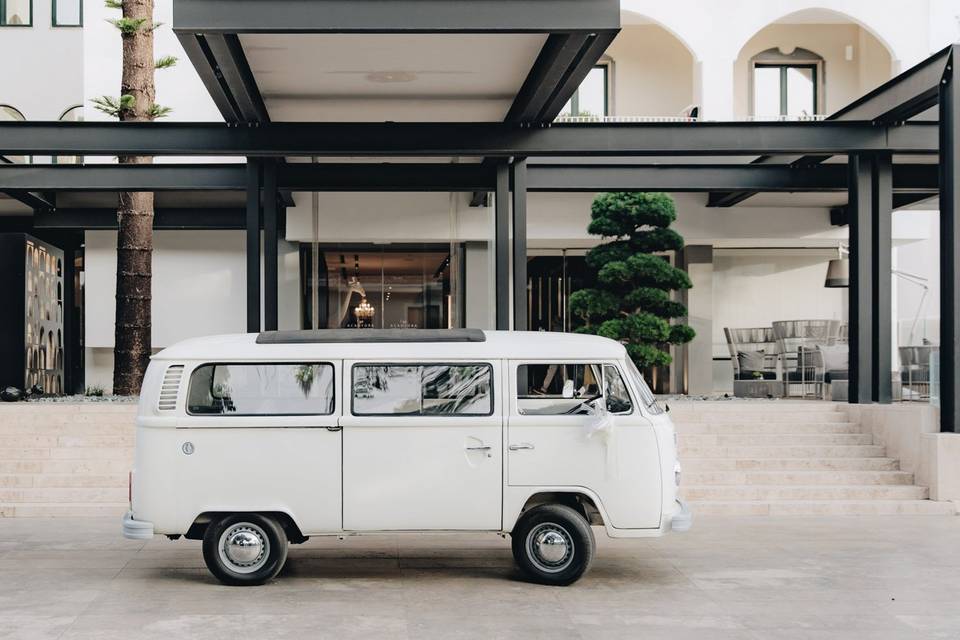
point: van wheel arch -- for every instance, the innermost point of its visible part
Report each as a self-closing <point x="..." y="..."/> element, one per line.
<point x="580" y="502"/>
<point x="202" y="521"/>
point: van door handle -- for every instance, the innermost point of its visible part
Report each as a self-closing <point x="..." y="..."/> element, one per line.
<point x="483" y="448"/>
<point x="522" y="445"/>
<point x="333" y="428"/>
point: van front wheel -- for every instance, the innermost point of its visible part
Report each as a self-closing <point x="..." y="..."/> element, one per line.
<point x="553" y="544"/>
<point x="244" y="549"/>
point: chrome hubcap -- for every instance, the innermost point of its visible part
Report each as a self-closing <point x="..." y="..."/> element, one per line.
<point x="244" y="547"/>
<point x="550" y="547"/>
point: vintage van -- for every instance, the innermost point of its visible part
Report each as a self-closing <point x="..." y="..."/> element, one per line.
<point x="251" y="442"/>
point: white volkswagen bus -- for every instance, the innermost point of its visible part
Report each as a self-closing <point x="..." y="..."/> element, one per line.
<point x="251" y="442"/>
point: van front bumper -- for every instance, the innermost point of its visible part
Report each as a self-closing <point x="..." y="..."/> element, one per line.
<point x="136" y="529"/>
<point x="683" y="519"/>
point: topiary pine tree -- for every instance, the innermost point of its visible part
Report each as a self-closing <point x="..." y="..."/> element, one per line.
<point x="631" y="302"/>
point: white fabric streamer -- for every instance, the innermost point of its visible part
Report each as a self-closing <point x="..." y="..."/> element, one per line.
<point x="601" y="427"/>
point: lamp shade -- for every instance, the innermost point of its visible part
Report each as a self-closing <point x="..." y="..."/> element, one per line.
<point x="838" y="273"/>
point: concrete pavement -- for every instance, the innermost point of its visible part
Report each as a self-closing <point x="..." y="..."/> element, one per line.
<point x="877" y="577"/>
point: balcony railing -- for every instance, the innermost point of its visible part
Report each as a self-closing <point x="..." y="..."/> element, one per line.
<point x="634" y="119"/>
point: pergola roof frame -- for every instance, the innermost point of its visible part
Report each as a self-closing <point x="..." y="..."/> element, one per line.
<point x="896" y="101"/>
<point x="463" y="139"/>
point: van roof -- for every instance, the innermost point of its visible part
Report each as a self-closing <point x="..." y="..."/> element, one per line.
<point x="380" y="344"/>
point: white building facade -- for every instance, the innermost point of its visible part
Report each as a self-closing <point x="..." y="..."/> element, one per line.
<point x="422" y="260"/>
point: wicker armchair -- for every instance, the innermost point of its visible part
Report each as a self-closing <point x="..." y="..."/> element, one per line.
<point x="798" y="342"/>
<point x="759" y="342"/>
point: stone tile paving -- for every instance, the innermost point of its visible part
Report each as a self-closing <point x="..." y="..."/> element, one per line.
<point x="892" y="577"/>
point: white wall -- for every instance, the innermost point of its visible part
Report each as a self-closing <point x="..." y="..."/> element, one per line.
<point x="42" y="69"/>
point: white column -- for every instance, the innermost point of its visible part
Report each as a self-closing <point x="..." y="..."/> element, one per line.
<point x="713" y="88"/>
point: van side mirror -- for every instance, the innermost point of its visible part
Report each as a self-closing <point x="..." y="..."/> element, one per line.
<point x="568" y="389"/>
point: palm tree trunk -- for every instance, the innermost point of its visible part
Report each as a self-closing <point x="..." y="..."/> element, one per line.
<point x="132" y="346"/>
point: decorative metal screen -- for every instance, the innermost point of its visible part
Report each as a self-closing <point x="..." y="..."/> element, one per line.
<point x="43" y="341"/>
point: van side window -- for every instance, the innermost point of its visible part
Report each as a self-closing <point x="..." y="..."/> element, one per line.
<point x="614" y="389"/>
<point x="261" y="389"/>
<point x="557" y="389"/>
<point x="422" y="389"/>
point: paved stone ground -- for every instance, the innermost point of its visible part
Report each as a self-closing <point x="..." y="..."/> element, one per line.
<point x="871" y="578"/>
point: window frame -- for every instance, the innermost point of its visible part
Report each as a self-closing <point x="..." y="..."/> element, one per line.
<point x="419" y="363"/>
<point x="333" y="386"/>
<point x="3" y="16"/>
<point x="607" y="66"/>
<point x="601" y="363"/>
<point x="801" y="59"/>
<point x="53" y="15"/>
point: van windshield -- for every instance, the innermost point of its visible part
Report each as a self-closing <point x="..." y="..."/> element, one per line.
<point x="646" y="395"/>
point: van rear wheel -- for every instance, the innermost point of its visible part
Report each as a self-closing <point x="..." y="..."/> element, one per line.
<point x="244" y="549"/>
<point x="553" y="544"/>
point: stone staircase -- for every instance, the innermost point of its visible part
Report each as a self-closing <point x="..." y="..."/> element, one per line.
<point x="739" y="458"/>
<point x="789" y="458"/>
<point x="65" y="460"/>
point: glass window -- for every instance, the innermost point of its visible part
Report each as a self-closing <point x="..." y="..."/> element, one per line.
<point x="557" y="389"/>
<point x="615" y="391"/>
<point x="67" y="13"/>
<point x="590" y="98"/>
<point x="262" y="389"/>
<point x="423" y="390"/>
<point x="784" y="90"/>
<point x="646" y="396"/>
<point x="16" y="13"/>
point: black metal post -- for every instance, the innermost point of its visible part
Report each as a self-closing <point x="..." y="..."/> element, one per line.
<point x="861" y="286"/>
<point x="501" y="247"/>
<point x="949" y="252"/>
<point x="518" y="171"/>
<point x="881" y="201"/>
<point x="254" y="182"/>
<point x="270" y="227"/>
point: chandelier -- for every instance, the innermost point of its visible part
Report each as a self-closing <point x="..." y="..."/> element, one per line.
<point x="364" y="312"/>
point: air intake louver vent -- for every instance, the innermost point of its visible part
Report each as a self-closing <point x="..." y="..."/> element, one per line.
<point x="170" y="387"/>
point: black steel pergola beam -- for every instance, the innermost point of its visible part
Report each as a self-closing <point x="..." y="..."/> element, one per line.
<point x="918" y="180"/>
<point x="559" y="53"/>
<point x="164" y="219"/>
<point x="36" y="201"/>
<point x="950" y="247"/>
<point x="462" y="139"/>
<point x="395" y="16"/>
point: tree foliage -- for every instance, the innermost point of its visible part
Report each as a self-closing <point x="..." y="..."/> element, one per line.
<point x="631" y="302"/>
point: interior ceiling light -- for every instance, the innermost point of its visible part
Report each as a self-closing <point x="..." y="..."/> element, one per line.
<point x="391" y="76"/>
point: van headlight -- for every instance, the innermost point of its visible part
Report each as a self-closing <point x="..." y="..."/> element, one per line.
<point x="677" y="471"/>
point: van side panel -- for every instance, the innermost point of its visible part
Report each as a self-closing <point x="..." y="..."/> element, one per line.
<point x="291" y="470"/>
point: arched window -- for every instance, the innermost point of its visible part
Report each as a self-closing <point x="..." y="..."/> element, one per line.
<point x="73" y="114"/>
<point x="7" y="114"/>
<point x="786" y="84"/>
<point x="16" y="13"/>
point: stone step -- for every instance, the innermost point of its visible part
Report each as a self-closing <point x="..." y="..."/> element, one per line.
<point x="692" y="428"/>
<point x="733" y="478"/>
<point x="86" y="429"/>
<point x="823" y="507"/>
<point x="802" y="492"/>
<point x="764" y="418"/>
<point x="694" y="465"/>
<point x="37" y="441"/>
<point x="696" y="440"/>
<point x="63" y="480"/>
<point x="63" y="510"/>
<point x="67" y="417"/>
<point x="43" y="466"/>
<point x="67" y="453"/>
<point x="796" y="451"/>
<point x="63" y="494"/>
